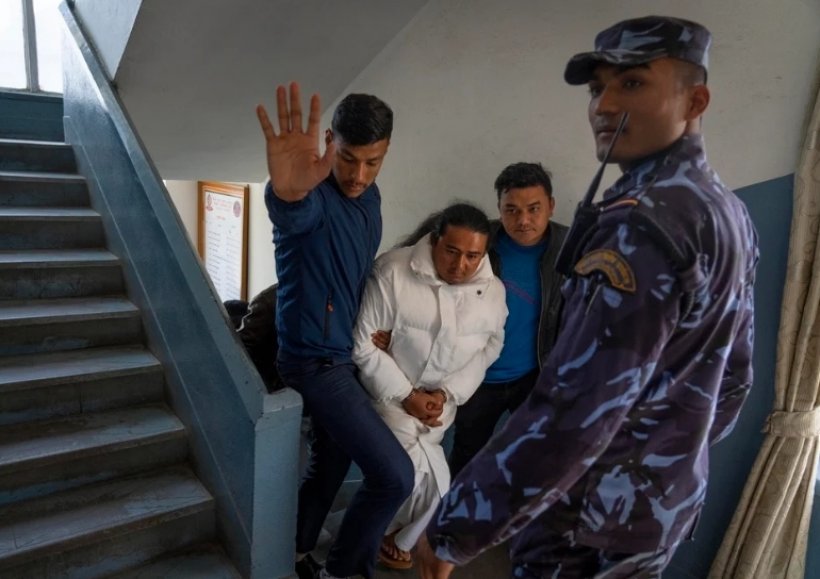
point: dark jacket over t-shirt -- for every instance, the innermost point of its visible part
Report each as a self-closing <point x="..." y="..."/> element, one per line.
<point x="324" y="246"/>
<point x="550" y="284"/>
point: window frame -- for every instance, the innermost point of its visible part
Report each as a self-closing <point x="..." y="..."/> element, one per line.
<point x="30" y="55"/>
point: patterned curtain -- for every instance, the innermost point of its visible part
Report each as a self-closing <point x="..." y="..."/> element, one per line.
<point x="769" y="531"/>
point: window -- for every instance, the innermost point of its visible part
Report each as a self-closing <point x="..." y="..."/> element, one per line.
<point x="12" y="53"/>
<point x="49" y="45"/>
<point x="30" y="45"/>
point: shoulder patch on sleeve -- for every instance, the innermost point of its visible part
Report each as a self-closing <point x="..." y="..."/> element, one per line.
<point x="620" y="204"/>
<point x="610" y="263"/>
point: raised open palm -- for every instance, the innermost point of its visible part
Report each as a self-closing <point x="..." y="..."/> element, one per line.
<point x="294" y="164"/>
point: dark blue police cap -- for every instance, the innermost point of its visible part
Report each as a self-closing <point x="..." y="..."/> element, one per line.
<point x="641" y="40"/>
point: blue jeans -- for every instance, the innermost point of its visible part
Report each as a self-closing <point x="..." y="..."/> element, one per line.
<point x="346" y="427"/>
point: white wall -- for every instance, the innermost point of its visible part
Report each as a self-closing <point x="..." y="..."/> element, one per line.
<point x="477" y="84"/>
<point x="193" y="71"/>
<point x="184" y="196"/>
<point x="261" y="265"/>
<point x="109" y="24"/>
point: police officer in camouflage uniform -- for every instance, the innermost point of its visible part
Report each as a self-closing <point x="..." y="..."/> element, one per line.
<point x="602" y="471"/>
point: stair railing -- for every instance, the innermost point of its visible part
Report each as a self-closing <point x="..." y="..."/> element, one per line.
<point x="244" y="441"/>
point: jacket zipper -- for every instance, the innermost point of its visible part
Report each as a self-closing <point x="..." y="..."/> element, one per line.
<point x="328" y="311"/>
<point x="541" y="316"/>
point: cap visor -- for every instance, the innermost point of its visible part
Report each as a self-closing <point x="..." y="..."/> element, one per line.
<point x="581" y="66"/>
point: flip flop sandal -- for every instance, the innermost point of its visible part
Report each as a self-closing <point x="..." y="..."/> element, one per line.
<point x="386" y="559"/>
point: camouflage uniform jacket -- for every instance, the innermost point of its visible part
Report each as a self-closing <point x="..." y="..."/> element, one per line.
<point x="652" y="364"/>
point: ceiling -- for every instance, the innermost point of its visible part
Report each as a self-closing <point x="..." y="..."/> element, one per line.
<point x="192" y="71"/>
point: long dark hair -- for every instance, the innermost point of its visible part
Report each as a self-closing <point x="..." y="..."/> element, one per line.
<point x="458" y="214"/>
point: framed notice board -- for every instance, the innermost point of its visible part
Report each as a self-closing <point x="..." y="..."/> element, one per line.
<point x="222" y="240"/>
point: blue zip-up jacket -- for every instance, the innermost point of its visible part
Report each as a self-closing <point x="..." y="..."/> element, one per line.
<point x="324" y="246"/>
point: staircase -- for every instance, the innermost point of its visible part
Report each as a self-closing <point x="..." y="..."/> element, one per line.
<point x="93" y="474"/>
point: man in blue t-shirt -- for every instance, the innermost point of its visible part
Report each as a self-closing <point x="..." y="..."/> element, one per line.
<point x="326" y="213"/>
<point x="524" y="247"/>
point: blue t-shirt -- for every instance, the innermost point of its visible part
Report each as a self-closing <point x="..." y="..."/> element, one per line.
<point x="521" y="274"/>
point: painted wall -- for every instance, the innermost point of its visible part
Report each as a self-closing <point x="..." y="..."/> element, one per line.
<point x="478" y="84"/>
<point x="183" y="194"/>
<point x="499" y="97"/>
<point x="192" y="71"/>
<point x="813" y="557"/>
<point x="770" y="206"/>
<point x="261" y="265"/>
<point x="110" y="25"/>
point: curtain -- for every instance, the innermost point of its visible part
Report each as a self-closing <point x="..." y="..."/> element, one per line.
<point x="768" y="535"/>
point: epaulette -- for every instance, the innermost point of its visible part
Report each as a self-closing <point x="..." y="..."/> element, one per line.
<point x="681" y="263"/>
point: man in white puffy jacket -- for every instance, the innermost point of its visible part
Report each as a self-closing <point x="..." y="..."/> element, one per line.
<point x="445" y="310"/>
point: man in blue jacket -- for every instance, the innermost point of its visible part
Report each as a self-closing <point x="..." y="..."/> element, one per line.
<point x="327" y="228"/>
<point x="602" y="471"/>
<point x="524" y="245"/>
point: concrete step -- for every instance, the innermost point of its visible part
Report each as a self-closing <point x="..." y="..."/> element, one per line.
<point x="39" y="458"/>
<point x="31" y="116"/>
<point x="41" y="386"/>
<point x="202" y="562"/>
<point x="102" y="529"/>
<point x="35" y="274"/>
<point x="31" y="326"/>
<point x="42" y="189"/>
<point x="28" y="155"/>
<point x="50" y="228"/>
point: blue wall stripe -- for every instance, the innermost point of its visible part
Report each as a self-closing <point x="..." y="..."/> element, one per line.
<point x="770" y="206"/>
